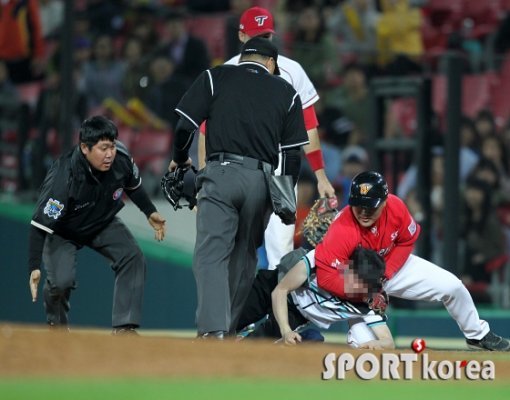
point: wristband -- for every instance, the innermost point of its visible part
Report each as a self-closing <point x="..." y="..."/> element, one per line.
<point x="315" y="159"/>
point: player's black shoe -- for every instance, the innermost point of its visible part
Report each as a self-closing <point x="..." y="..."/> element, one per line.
<point x="125" y="330"/>
<point x="491" y="342"/>
<point x="215" y="335"/>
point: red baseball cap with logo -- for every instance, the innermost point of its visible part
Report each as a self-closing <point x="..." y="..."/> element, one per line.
<point x="256" y="21"/>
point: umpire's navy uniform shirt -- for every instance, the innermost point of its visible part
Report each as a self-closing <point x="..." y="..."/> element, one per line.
<point x="263" y="110"/>
<point x="77" y="204"/>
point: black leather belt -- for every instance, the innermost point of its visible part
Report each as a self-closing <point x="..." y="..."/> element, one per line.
<point x="247" y="162"/>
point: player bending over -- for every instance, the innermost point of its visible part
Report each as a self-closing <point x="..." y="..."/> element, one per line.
<point x="381" y="222"/>
<point x="296" y="300"/>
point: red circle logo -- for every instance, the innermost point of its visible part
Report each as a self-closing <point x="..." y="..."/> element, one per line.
<point x="418" y="345"/>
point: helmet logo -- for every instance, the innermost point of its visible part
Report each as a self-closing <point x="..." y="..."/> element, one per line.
<point x="364" y="188"/>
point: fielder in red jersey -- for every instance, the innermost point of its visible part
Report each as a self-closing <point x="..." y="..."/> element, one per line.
<point x="392" y="236"/>
<point x="381" y="222"/>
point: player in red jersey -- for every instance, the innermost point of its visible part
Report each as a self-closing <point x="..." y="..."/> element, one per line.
<point x="380" y="221"/>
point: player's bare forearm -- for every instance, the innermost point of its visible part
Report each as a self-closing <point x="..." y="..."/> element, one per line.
<point x="315" y="143"/>
<point x="201" y="151"/>
<point x="324" y="186"/>
<point x="280" y="310"/>
<point x="291" y="281"/>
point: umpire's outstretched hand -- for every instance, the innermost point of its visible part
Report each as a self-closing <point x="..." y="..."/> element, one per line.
<point x="158" y="224"/>
<point x="35" y="277"/>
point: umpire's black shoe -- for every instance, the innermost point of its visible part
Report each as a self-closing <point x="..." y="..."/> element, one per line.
<point x="491" y="342"/>
<point x="58" y="327"/>
<point x="215" y="335"/>
<point x="125" y="330"/>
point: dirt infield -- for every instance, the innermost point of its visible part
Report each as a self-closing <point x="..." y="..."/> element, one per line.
<point x="36" y="352"/>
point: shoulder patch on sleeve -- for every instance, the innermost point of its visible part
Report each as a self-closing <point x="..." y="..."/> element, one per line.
<point x="53" y="208"/>
<point x="412" y="227"/>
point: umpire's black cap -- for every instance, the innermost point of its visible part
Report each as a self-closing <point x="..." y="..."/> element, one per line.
<point x="264" y="47"/>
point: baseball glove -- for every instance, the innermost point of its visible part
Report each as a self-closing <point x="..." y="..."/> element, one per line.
<point x="379" y="302"/>
<point x="172" y="185"/>
<point x="319" y="218"/>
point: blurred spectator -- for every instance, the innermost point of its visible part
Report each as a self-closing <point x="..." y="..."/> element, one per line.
<point x="469" y="136"/>
<point x="351" y="97"/>
<point x="47" y="118"/>
<point x="136" y="78"/>
<point x="492" y="148"/>
<point x="21" y="41"/>
<point x="468" y="160"/>
<point x="9" y="101"/>
<point x="144" y="24"/>
<point x="354" y="22"/>
<point x="335" y="128"/>
<point x="399" y="40"/>
<point x="188" y="54"/>
<point x="463" y="42"/>
<point x="505" y="135"/>
<point x="485" y="123"/>
<point x="165" y="90"/>
<point x="103" y="74"/>
<point x="354" y="160"/>
<point x="105" y="16"/>
<point x="52" y="16"/>
<point x="483" y="236"/>
<point x="485" y="170"/>
<point x="502" y="35"/>
<point x="232" y="42"/>
<point x="207" y="5"/>
<point x="82" y="38"/>
<point x="82" y="52"/>
<point x="315" y="49"/>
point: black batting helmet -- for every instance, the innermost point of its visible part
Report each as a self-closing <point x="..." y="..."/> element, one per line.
<point x="368" y="189"/>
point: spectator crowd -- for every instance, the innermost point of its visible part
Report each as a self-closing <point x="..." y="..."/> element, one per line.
<point x="133" y="60"/>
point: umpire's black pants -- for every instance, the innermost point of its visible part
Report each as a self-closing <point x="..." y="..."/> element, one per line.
<point x="118" y="245"/>
<point x="233" y="211"/>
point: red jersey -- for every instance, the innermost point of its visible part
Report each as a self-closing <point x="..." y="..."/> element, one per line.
<point x="20" y="30"/>
<point x="392" y="236"/>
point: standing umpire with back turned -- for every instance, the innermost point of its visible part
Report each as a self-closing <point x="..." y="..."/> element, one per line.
<point x="250" y="114"/>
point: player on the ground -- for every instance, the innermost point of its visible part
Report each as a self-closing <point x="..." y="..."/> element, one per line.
<point x="296" y="300"/>
<point x="279" y="238"/>
<point x="380" y="221"/>
<point x="287" y="299"/>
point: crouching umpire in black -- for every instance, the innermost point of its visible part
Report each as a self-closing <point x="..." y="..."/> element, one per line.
<point x="77" y="206"/>
<point x="249" y="113"/>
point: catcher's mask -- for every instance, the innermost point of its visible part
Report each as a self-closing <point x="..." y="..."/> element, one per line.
<point x="174" y="188"/>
